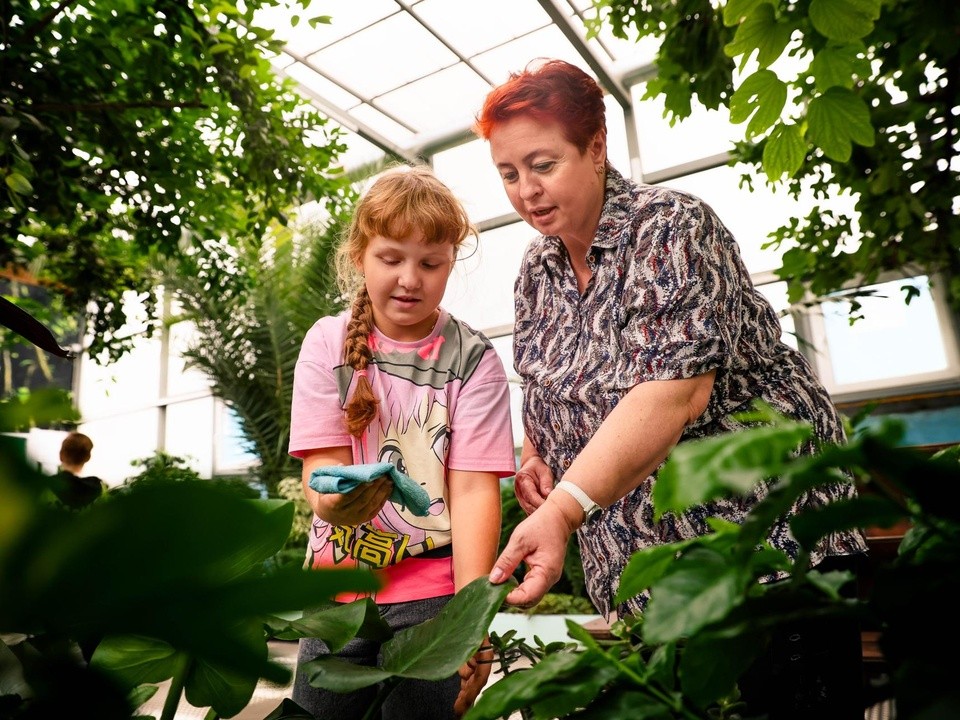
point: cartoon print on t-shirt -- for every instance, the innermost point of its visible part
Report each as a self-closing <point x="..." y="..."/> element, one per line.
<point x="416" y="445"/>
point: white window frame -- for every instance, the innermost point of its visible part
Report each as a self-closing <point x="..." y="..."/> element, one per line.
<point x="812" y="329"/>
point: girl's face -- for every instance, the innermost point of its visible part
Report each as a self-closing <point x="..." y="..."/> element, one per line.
<point x="552" y="185"/>
<point x="406" y="278"/>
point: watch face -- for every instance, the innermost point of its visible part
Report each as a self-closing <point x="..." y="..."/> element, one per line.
<point x="592" y="514"/>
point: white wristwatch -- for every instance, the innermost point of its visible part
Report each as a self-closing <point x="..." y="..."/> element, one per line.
<point x="591" y="510"/>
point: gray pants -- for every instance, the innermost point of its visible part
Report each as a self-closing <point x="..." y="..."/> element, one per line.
<point x="410" y="700"/>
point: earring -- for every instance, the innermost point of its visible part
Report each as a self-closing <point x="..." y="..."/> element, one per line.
<point x="599" y="169"/>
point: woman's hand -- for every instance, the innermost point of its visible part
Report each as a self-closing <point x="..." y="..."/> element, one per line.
<point x="473" y="678"/>
<point x="532" y="483"/>
<point x="540" y="542"/>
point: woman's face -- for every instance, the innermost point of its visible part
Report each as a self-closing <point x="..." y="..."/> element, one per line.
<point x="555" y="188"/>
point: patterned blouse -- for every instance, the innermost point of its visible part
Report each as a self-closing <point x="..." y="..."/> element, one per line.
<point x="669" y="298"/>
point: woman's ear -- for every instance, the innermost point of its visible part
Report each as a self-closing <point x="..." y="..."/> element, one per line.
<point x="598" y="148"/>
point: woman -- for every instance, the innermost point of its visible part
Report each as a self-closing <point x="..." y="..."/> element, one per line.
<point x="637" y="326"/>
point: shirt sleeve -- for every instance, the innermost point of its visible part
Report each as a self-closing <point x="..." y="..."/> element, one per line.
<point x="481" y="436"/>
<point x="683" y="295"/>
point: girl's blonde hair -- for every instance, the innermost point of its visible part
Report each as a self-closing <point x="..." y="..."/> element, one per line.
<point x="400" y="201"/>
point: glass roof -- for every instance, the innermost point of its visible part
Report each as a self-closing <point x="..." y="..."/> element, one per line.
<point x="407" y="78"/>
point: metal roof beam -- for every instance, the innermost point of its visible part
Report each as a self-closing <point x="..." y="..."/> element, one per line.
<point x="611" y="84"/>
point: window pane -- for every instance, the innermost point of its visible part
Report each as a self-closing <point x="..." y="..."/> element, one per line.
<point x="480" y="290"/>
<point x="871" y="349"/>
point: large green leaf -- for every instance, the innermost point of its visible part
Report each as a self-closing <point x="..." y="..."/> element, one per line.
<point x="701" y="588"/>
<point x="335" y="625"/>
<point x="432" y="650"/>
<point x="844" y="20"/>
<point x="519" y="690"/>
<point x="838" y="118"/>
<point x="701" y="470"/>
<point x="180" y="562"/>
<point x="760" y="31"/>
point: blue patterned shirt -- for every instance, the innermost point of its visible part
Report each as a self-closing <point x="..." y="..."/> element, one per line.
<point x="669" y="298"/>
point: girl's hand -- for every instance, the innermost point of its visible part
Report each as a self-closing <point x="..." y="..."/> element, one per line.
<point x="356" y="507"/>
<point x="473" y="678"/>
<point x="532" y="483"/>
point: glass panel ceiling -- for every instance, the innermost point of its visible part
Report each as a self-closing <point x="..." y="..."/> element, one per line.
<point x="407" y="77"/>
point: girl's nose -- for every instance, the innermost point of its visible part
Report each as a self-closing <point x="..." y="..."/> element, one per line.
<point x="409" y="277"/>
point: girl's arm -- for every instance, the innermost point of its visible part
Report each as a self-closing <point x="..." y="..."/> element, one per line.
<point x="353" y="508"/>
<point x="475" y="529"/>
<point x="474" y="523"/>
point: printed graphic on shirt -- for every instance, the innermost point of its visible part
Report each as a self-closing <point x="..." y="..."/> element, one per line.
<point x="412" y="431"/>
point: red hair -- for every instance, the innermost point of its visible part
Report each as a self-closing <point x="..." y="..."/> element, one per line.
<point x="549" y="91"/>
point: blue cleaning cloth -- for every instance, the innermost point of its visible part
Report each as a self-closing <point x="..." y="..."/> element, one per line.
<point x="344" y="478"/>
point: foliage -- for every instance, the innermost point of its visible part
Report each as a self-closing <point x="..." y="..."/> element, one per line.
<point x="131" y="130"/>
<point x="158" y="578"/>
<point x="838" y="96"/>
<point x="293" y="551"/>
<point x="42" y="408"/>
<point x="250" y="306"/>
<point x="709" y="616"/>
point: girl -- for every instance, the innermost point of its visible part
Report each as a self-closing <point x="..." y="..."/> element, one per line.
<point x="397" y="379"/>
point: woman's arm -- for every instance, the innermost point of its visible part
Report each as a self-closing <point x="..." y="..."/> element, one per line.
<point x="352" y="508"/>
<point x="629" y="445"/>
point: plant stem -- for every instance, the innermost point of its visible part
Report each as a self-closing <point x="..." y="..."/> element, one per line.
<point x="374" y="710"/>
<point x="177" y="682"/>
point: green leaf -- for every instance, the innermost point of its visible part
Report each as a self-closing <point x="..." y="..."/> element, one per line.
<point x="519" y="690"/>
<point x="703" y="679"/>
<point x="866" y="511"/>
<point x="839" y="65"/>
<point x="432" y="650"/>
<point x="223" y="689"/>
<point x="319" y="20"/>
<point x="844" y="20"/>
<point x="19" y="184"/>
<point x="700" y="589"/>
<point x="836" y="119"/>
<point x="760" y="31"/>
<point x="644" y="568"/>
<point x="762" y="94"/>
<point x="698" y="471"/>
<point x="735" y="11"/>
<point x="784" y="151"/>
<point x="134" y="659"/>
<point x="336" y="625"/>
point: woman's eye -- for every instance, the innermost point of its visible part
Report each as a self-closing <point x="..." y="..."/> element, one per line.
<point x="543" y="167"/>
<point x="508" y="177"/>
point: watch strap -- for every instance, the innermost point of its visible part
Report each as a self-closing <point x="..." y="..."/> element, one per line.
<point x="590" y="509"/>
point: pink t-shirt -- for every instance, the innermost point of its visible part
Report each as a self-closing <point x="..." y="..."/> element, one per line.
<point x="444" y="404"/>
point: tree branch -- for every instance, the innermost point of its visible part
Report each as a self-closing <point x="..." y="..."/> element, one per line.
<point x="101" y="106"/>
<point x="37" y="28"/>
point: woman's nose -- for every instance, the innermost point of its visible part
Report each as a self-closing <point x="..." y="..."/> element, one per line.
<point x="529" y="185"/>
